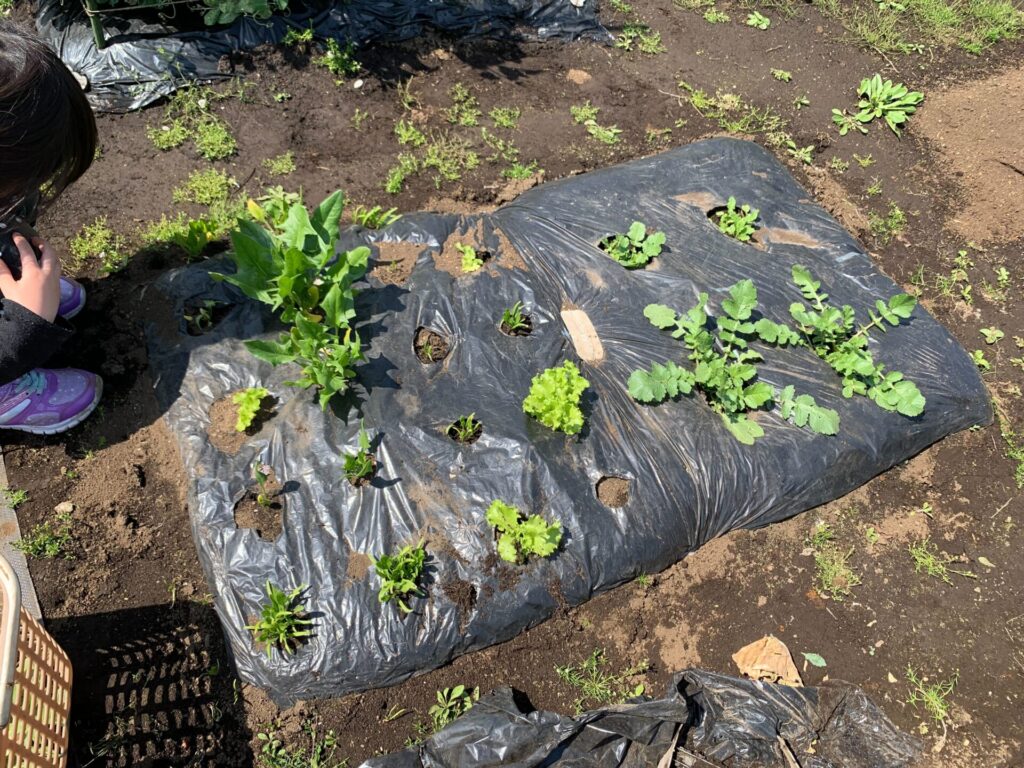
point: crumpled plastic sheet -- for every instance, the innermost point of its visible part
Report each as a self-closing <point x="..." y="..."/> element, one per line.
<point x="704" y="720"/>
<point x="146" y="59"/>
<point x="689" y="479"/>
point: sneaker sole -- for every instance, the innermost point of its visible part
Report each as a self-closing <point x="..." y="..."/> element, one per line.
<point x="65" y="425"/>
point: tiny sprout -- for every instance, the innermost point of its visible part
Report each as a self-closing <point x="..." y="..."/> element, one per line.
<point x="261" y="473"/>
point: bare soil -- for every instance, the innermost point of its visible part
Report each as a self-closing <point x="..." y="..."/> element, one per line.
<point x="154" y="684"/>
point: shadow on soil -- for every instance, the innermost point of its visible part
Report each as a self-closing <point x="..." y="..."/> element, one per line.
<point x="163" y="676"/>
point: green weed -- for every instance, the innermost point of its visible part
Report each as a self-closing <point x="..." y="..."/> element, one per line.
<point x="14" y="498"/>
<point x="339" y="61"/>
<point x="318" y="753"/>
<point x="582" y="113"/>
<point x="782" y="75"/>
<point x="933" y="697"/>
<point x="598" y="687"/>
<point x="519" y="171"/>
<point x="98" y="240"/>
<point x="407" y="166"/>
<point x="889" y="226"/>
<point x="636" y="33"/>
<point x="834" y="578"/>
<point x="930" y="561"/>
<point x="169" y="135"/>
<point x="208" y="187"/>
<point x="465" y="109"/>
<point x="281" y="165"/>
<point x="408" y="134"/>
<point x="48" y="539"/>
<point x="450" y="157"/>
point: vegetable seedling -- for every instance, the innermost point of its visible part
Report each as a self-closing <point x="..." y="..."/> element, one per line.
<point x="514" y="322"/>
<point x="283" y="622"/>
<point x="519" y="536"/>
<point x="376" y="217"/>
<point x="738" y="222"/>
<point x="360" y="466"/>
<point x="554" y="398"/>
<point x="400" y="574"/>
<point x="471" y="262"/>
<point x="832" y="333"/>
<point x="451" y="704"/>
<point x="465" y="429"/>
<point x="261" y="473"/>
<point x="248" y="401"/>
<point x="635" y="248"/>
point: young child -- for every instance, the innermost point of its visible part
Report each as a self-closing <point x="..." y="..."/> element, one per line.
<point x="47" y="140"/>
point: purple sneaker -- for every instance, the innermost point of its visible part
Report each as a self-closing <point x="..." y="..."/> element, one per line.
<point x="72" y="298"/>
<point x="46" y="401"/>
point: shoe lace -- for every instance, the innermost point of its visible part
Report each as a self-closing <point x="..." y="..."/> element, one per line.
<point x="32" y="382"/>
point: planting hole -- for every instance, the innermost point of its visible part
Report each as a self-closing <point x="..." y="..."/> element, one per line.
<point x="262" y="510"/>
<point x="430" y="346"/>
<point x="466" y="430"/>
<point x="737" y="222"/>
<point x="201" y="317"/>
<point x="613" y="491"/>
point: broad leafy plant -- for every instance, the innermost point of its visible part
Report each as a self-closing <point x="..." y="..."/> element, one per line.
<point x="519" y="536"/>
<point x="283" y="622"/>
<point x="738" y="221"/>
<point x="465" y="429"/>
<point x="725" y="367"/>
<point x="833" y="334"/>
<point x="248" y="401"/>
<point x="554" y="398"/>
<point x="399" y="575"/>
<point x="635" y="248"/>
<point x="513" y="321"/>
<point x="293" y="268"/>
<point x="894" y="103"/>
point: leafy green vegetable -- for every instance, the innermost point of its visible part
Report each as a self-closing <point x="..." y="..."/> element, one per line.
<point x="248" y="402"/>
<point x="725" y="368"/>
<point x="834" y="336"/>
<point x="635" y="248"/>
<point x="520" y="537"/>
<point x="738" y="223"/>
<point x="399" y="575"/>
<point x="291" y="266"/>
<point x="554" y="398"/>
<point x="470" y="261"/>
<point x="893" y="103"/>
<point x="283" y="622"/>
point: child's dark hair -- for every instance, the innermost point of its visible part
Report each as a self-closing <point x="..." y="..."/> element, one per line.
<point x="47" y="129"/>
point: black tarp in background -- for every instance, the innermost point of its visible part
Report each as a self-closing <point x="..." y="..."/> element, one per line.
<point x="727" y="720"/>
<point x="145" y="60"/>
<point x="690" y="479"/>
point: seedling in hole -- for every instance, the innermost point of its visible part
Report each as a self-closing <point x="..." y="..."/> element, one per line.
<point x="519" y="537"/>
<point x="465" y="429"/>
<point x="513" y="321"/>
<point x="248" y="401"/>
<point x="470" y="261"/>
<point x="283" y="621"/>
<point x="201" y="318"/>
<point x="738" y="222"/>
<point x="635" y="248"/>
<point x="359" y="466"/>
<point x="399" y="575"/>
<point x="604" y="134"/>
<point x="554" y="398"/>
<point x="451" y="703"/>
<point x="261" y="473"/>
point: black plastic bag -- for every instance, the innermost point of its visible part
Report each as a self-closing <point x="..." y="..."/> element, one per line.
<point x="687" y="478"/>
<point x="146" y="59"/>
<point x="704" y="720"/>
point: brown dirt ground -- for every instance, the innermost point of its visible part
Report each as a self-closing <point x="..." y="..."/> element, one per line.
<point x="154" y="685"/>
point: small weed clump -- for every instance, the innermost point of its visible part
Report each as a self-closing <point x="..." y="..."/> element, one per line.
<point x="169" y="135"/>
<point x="281" y="165"/>
<point x="339" y="61"/>
<point x="210" y="187"/>
<point x="48" y="539"/>
<point x="782" y="75"/>
<point x="598" y="687"/>
<point x="889" y="226"/>
<point x="400" y="574"/>
<point x="646" y="40"/>
<point x="583" y="113"/>
<point x="409" y="134"/>
<point x="189" y="115"/>
<point x="833" y="575"/>
<point x="98" y="240"/>
<point x="554" y="398"/>
<point x="758" y="20"/>
<point x="407" y="166"/>
<point x="274" y="753"/>
<point x="283" y="622"/>
<point x="14" y="498"/>
<point x="932" y="697"/>
<point x="451" y="704"/>
<point x="505" y="117"/>
<point x="213" y="139"/>
<point x="519" y="171"/>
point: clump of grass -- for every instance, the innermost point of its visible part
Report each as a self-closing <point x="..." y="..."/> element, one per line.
<point x="450" y="157"/>
<point x="48" y="539"/>
<point x="409" y="134"/>
<point x="834" y="578"/>
<point x="519" y="171"/>
<point x="406" y="166"/>
<point x="932" y="697"/>
<point x="505" y="117"/>
<point x="581" y="113"/>
<point x="465" y="110"/>
<point x="98" y="240"/>
<point x="189" y="115"/>
<point x="596" y="685"/>
<point x="281" y="165"/>
<point x="889" y="226"/>
<point x="930" y="561"/>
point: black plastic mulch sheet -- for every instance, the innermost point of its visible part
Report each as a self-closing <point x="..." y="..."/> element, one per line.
<point x="146" y="58"/>
<point x="704" y="720"/>
<point x="689" y="480"/>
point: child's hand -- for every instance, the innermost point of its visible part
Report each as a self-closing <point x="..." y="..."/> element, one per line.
<point x="38" y="290"/>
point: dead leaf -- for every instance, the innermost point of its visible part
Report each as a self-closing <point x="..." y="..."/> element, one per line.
<point x="768" y="659"/>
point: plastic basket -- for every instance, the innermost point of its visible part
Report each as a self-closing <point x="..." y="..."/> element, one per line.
<point x="36" y="677"/>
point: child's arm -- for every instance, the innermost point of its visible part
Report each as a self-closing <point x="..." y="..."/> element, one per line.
<point x="28" y="335"/>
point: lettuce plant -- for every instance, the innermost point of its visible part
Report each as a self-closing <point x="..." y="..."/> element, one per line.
<point x="248" y="401"/>
<point x="554" y="398"/>
<point x="519" y="536"/>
